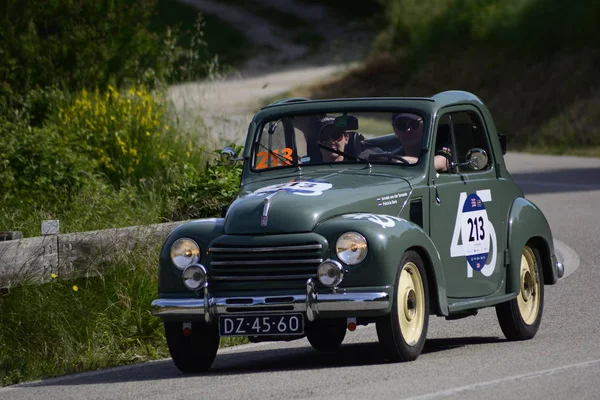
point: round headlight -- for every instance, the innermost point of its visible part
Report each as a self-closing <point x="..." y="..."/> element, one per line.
<point x="330" y="273"/>
<point x="185" y="252"/>
<point x="194" y="277"/>
<point x="351" y="248"/>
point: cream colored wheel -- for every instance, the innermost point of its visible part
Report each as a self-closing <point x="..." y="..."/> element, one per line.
<point x="411" y="303"/>
<point x="529" y="297"/>
<point x="403" y="331"/>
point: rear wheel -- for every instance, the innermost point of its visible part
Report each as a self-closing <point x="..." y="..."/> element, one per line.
<point x="196" y="352"/>
<point x="327" y="334"/>
<point x="520" y="318"/>
<point x="402" y="333"/>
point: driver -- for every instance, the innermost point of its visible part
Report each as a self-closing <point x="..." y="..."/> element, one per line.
<point x="335" y="138"/>
<point x="408" y="128"/>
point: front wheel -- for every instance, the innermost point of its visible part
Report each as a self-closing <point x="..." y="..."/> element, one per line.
<point x="196" y="352"/>
<point x="402" y="333"/>
<point x="520" y="318"/>
<point x="327" y="334"/>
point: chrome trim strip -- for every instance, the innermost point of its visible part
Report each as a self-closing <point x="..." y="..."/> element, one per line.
<point x="264" y="249"/>
<point x="262" y="277"/>
<point x="265" y="215"/>
<point x="267" y="262"/>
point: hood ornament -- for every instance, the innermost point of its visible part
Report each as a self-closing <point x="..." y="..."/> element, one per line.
<point x="265" y="215"/>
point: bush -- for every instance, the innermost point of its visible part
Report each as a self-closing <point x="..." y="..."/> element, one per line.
<point x="38" y="166"/>
<point x="128" y="134"/>
<point x="200" y="194"/>
<point x="421" y="26"/>
<point x="72" y="44"/>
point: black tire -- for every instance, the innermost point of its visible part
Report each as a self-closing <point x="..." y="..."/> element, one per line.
<point x="519" y="318"/>
<point x="401" y="338"/>
<point x="327" y="334"/>
<point x="194" y="353"/>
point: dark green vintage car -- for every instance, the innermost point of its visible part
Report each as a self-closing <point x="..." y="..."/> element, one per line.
<point x="359" y="211"/>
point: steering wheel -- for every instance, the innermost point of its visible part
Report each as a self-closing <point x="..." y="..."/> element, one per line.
<point x="387" y="156"/>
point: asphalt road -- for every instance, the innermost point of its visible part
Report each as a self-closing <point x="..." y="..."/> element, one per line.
<point x="463" y="359"/>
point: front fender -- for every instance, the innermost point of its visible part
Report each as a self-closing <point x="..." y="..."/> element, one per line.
<point x="202" y="231"/>
<point x="388" y="238"/>
<point x="527" y="223"/>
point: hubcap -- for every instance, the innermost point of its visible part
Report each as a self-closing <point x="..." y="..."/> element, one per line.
<point x="529" y="298"/>
<point x="411" y="303"/>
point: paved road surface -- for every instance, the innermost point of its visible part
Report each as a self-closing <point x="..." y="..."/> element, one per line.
<point x="464" y="359"/>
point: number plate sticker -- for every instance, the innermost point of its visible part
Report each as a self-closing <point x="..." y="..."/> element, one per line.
<point x="261" y="325"/>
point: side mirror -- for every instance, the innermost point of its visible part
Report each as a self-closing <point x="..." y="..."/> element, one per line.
<point x="502" y="138"/>
<point x="228" y="154"/>
<point x="477" y="159"/>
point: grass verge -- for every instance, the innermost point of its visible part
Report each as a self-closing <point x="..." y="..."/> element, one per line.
<point x="70" y="326"/>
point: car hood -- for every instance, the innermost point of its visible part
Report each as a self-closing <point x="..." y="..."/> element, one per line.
<point x="297" y="204"/>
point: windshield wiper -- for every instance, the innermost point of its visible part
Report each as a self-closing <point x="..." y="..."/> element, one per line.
<point x="286" y="161"/>
<point x="341" y="153"/>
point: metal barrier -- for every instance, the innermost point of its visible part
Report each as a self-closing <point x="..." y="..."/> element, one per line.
<point x="34" y="260"/>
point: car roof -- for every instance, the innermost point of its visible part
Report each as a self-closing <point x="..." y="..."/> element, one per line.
<point x="428" y="105"/>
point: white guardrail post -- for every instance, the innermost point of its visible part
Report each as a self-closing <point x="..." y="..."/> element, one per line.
<point x="34" y="260"/>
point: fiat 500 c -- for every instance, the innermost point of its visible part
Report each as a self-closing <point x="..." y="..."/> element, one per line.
<point x="353" y="212"/>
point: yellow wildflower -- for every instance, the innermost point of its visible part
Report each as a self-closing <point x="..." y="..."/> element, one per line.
<point x="75" y="288"/>
<point x="54" y="276"/>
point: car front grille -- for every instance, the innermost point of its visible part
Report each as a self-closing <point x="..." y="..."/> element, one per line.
<point x="242" y="263"/>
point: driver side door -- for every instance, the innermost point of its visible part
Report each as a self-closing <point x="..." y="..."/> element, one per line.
<point x="467" y="214"/>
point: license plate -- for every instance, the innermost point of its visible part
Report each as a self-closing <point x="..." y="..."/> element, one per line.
<point x="261" y="325"/>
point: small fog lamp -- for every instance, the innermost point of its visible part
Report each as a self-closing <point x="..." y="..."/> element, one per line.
<point x="330" y="273"/>
<point x="194" y="277"/>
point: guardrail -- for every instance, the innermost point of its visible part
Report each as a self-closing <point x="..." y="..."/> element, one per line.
<point x="34" y="260"/>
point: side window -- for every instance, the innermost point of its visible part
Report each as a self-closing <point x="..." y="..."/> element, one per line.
<point x="469" y="133"/>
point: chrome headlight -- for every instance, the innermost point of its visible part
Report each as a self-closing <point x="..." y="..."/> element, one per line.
<point x="185" y="252"/>
<point x="351" y="248"/>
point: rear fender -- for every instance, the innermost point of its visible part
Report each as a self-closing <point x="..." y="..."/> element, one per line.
<point x="528" y="225"/>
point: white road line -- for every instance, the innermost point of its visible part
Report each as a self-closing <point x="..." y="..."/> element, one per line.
<point x="475" y="386"/>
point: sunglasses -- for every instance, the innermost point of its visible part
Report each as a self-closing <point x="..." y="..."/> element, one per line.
<point x="407" y="124"/>
<point x="336" y="137"/>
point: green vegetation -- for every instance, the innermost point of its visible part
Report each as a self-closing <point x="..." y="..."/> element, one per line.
<point x="72" y="326"/>
<point x="531" y="61"/>
<point x="88" y="137"/>
<point x="208" y="35"/>
<point x="531" y="25"/>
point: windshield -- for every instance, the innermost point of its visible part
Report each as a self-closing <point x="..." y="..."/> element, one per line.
<point x="345" y="137"/>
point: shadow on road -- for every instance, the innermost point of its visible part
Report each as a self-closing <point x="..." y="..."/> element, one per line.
<point x="559" y="181"/>
<point x="262" y="361"/>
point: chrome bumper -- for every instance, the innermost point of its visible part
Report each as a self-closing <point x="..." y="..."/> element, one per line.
<point x="312" y="303"/>
<point x="559" y="268"/>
